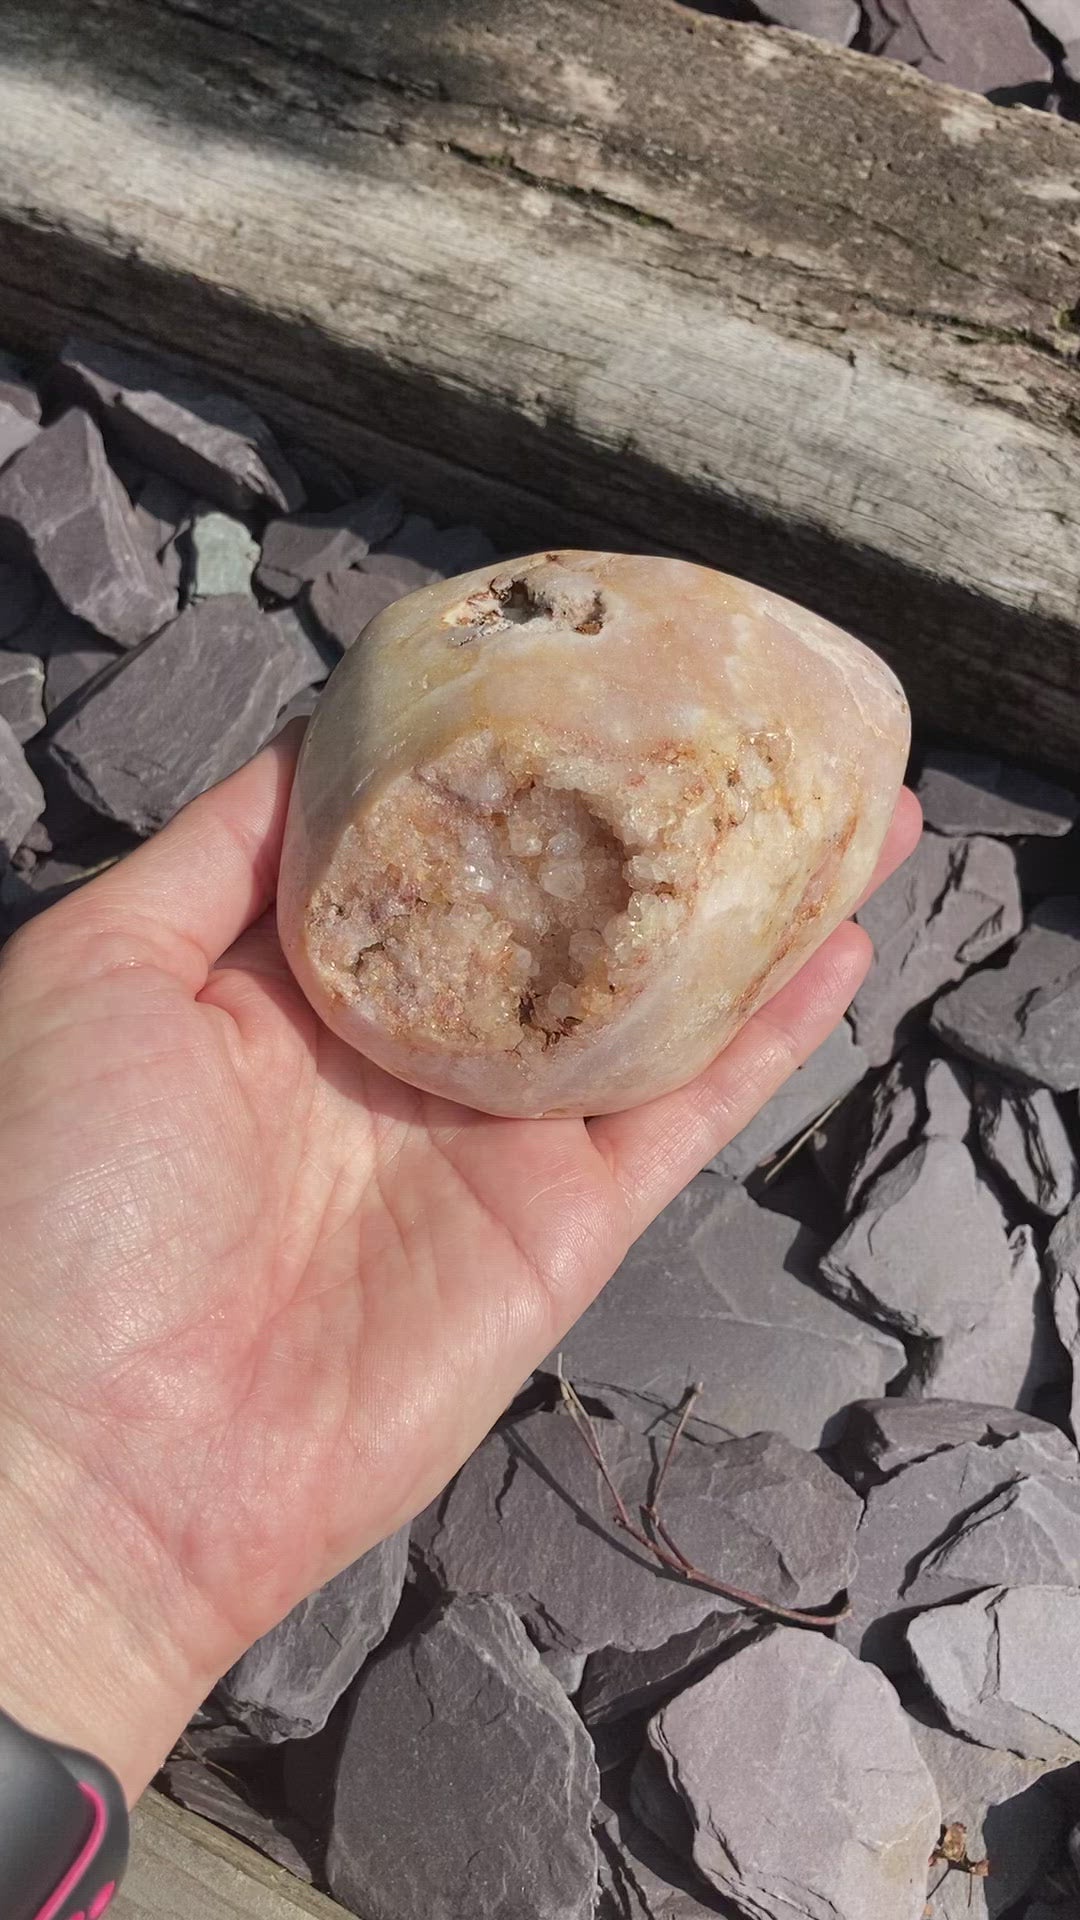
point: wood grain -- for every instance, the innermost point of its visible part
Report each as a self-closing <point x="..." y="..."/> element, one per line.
<point x="182" y="1868"/>
<point x="614" y="272"/>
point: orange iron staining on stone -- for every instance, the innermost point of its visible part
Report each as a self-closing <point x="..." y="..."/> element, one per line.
<point x="558" y="828"/>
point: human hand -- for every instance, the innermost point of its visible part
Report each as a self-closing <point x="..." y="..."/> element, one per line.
<point x="258" y="1301"/>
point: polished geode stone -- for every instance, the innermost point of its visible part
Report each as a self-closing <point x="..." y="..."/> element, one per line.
<point x="559" y="829"/>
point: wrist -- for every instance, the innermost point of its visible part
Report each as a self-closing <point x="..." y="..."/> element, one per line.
<point x="103" y="1646"/>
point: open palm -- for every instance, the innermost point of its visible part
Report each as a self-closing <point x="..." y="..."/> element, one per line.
<point x="259" y="1300"/>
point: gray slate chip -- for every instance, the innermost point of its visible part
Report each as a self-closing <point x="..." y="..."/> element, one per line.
<point x="22" y="681"/>
<point x="189" y="431"/>
<point x="830" y="1073"/>
<point x="1011" y="1355"/>
<point x="310" y="545"/>
<point x="439" y="552"/>
<point x="1002" y="1667"/>
<point x="985" y="47"/>
<point x="70" y="667"/>
<point x="467" y="1783"/>
<point x="344" y="603"/>
<point x="941" y="1527"/>
<point x="527" y="1518"/>
<point x="805" y="1786"/>
<point x="206" y="1790"/>
<point x="914" y="1100"/>
<point x="21" y="798"/>
<point x="1023" y="1136"/>
<point x="835" y="20"/>
<point x="81" y="528"/>
<point x="947" y="909"/>
<point x="219" y="555"/>
<point x="177" y="715"/>
<point x="20" y="598"/>
<point x="881" y="1436"/>
<point x="16" y="431"/>
<point x="1012" y="1816"/>
<point x="1024" y="1018"/>
<point x="287" y="1684"/>
<point x="928" y="1252"/>
<point x="965" y="793"/>
<point x="718" y="1290"/>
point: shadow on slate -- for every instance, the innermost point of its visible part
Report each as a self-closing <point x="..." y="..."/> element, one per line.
<point x="288" y="1683"/>
<point x="720" y="1290"/>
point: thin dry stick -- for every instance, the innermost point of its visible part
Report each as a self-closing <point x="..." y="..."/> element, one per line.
<point x="669" y="1554"/>
<point x="779" y="1165"/>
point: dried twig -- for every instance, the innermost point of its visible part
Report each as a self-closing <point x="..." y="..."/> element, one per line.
<point x="952" y="1854"/>
<point x="665" y="1549"/>
<point x="807" y="1134"/>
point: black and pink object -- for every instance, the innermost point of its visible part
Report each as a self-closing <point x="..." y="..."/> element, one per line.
<point x="63" y="1830"/>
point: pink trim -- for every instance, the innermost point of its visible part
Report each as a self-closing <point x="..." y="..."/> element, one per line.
<point x="75" y="1872"/>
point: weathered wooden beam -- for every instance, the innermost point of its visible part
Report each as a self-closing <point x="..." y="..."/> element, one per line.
<point x="182" y="1868"/>
<point x="608" y="270"/>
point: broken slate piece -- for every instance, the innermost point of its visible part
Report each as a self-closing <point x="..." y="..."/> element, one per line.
<point x="821" y="1804"/>
<point x="311" y="545"/>
<point x="343" y="603"/>
<point x="617" y="1683"/>
<point x="16" y="431"/>
<point x="965" y="793"/>
<point x="880" y="1436"/>
<point x="1010" y="1814"/>
<point x="830" y="1073"/>
<point x="16" y="391"/>
<point x="22" y="680"/>
<point x="219" y="555"/>
<point x="928" y="1252"/>
<point x="213" y="1793"/>
<point x="1002" y="1667"/>
<point x="527" y="1518"/>
<point x="835" y="20"/>
<point x="1063" y="1271"/>
<point x="70" y="667"/>
<point x="1009" y="1357"/>
<point x="81" y="528"/>
<point x="21" y="798"/>
<point x="915" y="1100"/>
<point x="187" y="708"/>
<point x="947" y="909"/>
<point x="286" y="1685"/>
<point x="1024" y="1018"/>
<point x="986" y="47"/>
<point x="437" y="552"/>
<point x="719" y="1290"/>
<point x="467" y="1782"/>
<point x="171" y="420"/>
<point x="1024" y="1137"/>
<point x="922" y="1509"/>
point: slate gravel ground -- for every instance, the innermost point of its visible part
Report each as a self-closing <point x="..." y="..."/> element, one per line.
<point x="876" y="1286"/>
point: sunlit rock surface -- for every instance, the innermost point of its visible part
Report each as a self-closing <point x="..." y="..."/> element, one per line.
<point x="559" y="828"/>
